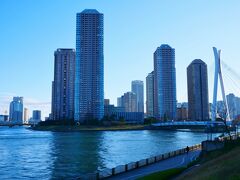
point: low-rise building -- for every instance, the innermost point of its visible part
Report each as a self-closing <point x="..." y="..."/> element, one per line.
<point x="182" y="113"/>
<point x="130" y="117"/>
<point x="119" y="113"/>
<point x="36" y="117"/>
<point x="3" y="117"/>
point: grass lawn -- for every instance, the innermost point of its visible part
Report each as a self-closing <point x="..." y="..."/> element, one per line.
<point x="220" y="164"/>
<point x="163" y="175"/>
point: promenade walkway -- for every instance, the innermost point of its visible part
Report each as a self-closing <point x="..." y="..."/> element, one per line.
<point x="174" y="162"/>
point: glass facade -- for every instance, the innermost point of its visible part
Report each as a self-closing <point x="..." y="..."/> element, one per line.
<point x="150" y="94"/>
<point x="36" y="115"/>
<point x="89" y="76"/>
<point x="130" y="102"/>
<point x="233" y="105"/>
<point x="16" y="109"/>
<point x="165" y="83"/>
<point x="137" y="88"/>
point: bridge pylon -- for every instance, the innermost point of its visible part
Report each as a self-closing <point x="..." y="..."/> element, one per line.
<point x="218" y="73"/>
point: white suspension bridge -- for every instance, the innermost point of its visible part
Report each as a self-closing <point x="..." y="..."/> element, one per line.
<point x="218" y="77"/>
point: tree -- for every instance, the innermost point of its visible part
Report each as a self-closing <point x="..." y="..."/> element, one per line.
<point x="122" y="120"/>
<point x="150" y="120"/>
<point x="113" y="117"/>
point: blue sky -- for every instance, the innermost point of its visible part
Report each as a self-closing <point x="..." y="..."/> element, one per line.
<point x="31" y="30"/>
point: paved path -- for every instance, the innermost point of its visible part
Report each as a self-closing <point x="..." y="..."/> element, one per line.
<point x="174" y="162"/>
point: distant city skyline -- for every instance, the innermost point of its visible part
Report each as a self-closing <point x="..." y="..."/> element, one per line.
<point x="30" y="35"/>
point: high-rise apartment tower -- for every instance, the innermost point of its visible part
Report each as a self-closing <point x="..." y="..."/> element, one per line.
<point x="16" y="109"/>
<point x="197" y="80"/>
<point x="138" y="89"/>
<point x="89" y="77"/>
<point x="63" y="85"/>
<point x="165" y="83"/>
<point x="150" y="94"/>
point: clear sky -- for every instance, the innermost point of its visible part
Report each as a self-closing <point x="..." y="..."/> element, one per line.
<point x="31" y="30"/>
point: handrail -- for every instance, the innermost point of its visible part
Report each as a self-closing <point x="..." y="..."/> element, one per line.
<point x="105" y="173"/>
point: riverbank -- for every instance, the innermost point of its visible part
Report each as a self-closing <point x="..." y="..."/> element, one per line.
<point x="90" y="128"/>
<point x="124" y="127"/>
<point x="218" y="164"/>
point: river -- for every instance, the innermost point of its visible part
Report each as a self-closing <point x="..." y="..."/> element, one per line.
<point x="27" y="154"/>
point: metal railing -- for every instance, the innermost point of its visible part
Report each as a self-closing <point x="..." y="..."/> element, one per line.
<point x="188" y="123"/>
<point x="106" y="173"/>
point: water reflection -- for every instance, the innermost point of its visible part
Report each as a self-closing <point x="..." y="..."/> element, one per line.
<point x="27" y="154"/>
<point x="123" y="147"/>
<point x="75" y="153"/>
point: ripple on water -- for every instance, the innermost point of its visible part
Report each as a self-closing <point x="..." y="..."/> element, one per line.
<point x="27" y="154"/>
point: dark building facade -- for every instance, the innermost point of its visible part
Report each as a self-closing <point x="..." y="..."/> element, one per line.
<point x="36" y="115"/>
<point x="63" y="84"/>
<point x="182" y="113"/>
<point x="197" y="82"/>
<point x="119" y="113"/>
<point x="16" y="109"/>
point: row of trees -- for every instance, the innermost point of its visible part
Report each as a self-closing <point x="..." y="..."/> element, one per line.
<point x="105" y="121"/>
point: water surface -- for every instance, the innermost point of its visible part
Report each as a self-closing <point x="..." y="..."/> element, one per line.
<point x="27" y="154"/>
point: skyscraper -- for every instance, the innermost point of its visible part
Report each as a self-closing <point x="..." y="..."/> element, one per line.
<point x="221" y="109"/>
<point x="16" y="109"/>
<point x="26" y="115"/>
<point x="237" y="100"/>
<point x="89" y="85"/>
<point x="164" y="83"/>
<point x="137" y="88"/>
<point x="120" y="101"/>
<point x="106" y="102"/>
<point x="130" y="102"/>
<point x="232" y="105"/>
<point x="36" y="115"/>
<point x="63" y="84"/>
<point x="197" y="80"/>
<point x="150" y="94"/>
